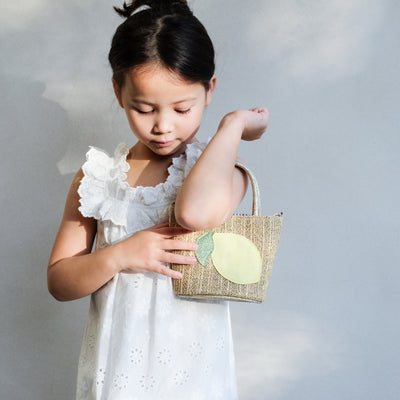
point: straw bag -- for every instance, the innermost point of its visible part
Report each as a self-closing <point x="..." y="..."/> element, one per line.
<point x="235" y="259"/>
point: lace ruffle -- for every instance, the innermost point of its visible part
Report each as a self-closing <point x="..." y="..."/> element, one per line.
<point x="102" y="193"/>
<point x="105" y="194"/>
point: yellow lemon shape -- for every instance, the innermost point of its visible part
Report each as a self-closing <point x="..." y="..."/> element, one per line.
<point x="236" y="258"/>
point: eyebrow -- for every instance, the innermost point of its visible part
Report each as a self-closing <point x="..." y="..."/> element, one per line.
<point x="176" y="102"/>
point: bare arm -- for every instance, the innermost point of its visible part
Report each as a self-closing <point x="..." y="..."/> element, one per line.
<point x="214" y="187"/>
<point x="74" y="272"/>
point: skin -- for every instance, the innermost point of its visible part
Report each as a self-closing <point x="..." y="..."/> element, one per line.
<point x="164" y="112"/>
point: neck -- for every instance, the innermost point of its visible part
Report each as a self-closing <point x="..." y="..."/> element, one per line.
<point x="141" y="152"/>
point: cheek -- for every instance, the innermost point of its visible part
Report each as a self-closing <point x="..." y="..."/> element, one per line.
<point x="190" y="125"/>
<point x="193" y="121"/>
<point x="137" y="124"/>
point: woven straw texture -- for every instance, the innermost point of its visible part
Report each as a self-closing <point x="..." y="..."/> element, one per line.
<point x="206" y="282"/>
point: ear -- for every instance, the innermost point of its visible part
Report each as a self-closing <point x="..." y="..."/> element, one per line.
<point x="117" y="92"/>
<point x="210" y="91"/>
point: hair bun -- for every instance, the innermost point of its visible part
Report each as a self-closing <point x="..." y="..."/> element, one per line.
<point x="158" y="7"/>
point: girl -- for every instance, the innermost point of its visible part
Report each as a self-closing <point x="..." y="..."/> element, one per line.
<point x="141" y="342"/>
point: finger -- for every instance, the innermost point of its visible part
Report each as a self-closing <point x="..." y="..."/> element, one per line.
<point x="174" y="258"/>
<point x="179" y="245"/>
<point x="163" y="270"/>
<point x="260" y="110"/>
<point x="171" y="231"/>
<point x="158" y="226"/>
<point x="168" y="231"/>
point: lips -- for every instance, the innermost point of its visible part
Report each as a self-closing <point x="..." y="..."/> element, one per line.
<point x="161" y="144"/>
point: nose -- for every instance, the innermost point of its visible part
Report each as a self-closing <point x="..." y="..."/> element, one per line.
<point x="163" y="123"/>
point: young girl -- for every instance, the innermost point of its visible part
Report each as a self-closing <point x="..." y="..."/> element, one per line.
<point x="142" y="342"/>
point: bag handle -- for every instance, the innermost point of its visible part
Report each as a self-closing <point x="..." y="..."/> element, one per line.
<point x="254" y="185"/>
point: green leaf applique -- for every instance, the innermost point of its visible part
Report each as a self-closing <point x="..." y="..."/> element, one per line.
<point x="206" y="247"/>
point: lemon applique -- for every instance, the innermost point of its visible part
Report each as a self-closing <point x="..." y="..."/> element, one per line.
<point x="236" y="258"/>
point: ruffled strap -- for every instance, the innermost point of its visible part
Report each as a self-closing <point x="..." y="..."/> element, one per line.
<point x="102" y="194"/>
<point x="105" y="194"/>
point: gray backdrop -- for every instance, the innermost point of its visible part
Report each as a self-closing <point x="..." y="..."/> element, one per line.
<point x="328" y="72"/>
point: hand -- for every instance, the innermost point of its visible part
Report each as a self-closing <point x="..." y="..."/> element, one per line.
<point x="253" y="123"/>
<point x="256" y="122"/>
<point x="147" y="250"/>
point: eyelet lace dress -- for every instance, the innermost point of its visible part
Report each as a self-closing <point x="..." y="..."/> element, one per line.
<point x="141" y="341"/>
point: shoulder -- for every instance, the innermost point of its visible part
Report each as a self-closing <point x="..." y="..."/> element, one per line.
<point x="96" y="181"/>
<point x="73" y="198"/>
<point x="99" y="163"/>
<point x="76" y="233"/>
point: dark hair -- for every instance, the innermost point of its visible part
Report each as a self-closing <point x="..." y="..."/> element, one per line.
<point x="165" y="32"/>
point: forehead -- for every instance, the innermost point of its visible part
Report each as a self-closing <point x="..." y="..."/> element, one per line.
<point x="155" y="81"/>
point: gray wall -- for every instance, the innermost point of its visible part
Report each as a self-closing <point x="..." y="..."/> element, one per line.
<point x="328" y="71"/>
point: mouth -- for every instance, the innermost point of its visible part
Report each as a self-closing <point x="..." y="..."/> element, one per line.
<point x="164" y="143"/>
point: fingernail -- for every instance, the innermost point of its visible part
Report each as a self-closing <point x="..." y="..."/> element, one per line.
<point x="193" y="259"/>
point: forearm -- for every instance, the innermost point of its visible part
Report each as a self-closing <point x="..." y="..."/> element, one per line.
<point x="76" y="277"/>
<point x="206" y="197"/>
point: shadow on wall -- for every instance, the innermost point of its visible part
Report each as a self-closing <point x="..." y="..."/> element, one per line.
<point x="34" y="134"/>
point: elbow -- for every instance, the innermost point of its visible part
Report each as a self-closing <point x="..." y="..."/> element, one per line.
<point x="188" y="222"/>
<point x="54" y="292"/>
<point x="58" y="296"/>
<point x="53" y="287"/>
<point x="195" y="220"/>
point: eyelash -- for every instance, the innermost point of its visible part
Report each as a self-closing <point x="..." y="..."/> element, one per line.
<point x="149" y="112"/>
<point x="183" y="111"/>
<point x="143" y="112"/>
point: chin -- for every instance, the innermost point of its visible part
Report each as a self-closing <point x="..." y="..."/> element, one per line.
<point x="171" y="151"/>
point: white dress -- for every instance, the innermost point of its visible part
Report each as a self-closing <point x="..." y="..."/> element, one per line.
<point x="141" y="341"/>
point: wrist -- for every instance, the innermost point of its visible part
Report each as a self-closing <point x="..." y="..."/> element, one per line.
<point x="234" y="120"/>
<point x="111" y="259"/>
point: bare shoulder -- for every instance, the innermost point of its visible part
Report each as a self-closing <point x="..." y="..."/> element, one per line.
<point x="72" y="204"/>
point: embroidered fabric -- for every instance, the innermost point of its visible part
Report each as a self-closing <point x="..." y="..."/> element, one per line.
<point x="141" y="341"/>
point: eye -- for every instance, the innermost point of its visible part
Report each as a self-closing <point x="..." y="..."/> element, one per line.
<point x="183" y="111"/>
<point x="143" y="112"/>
